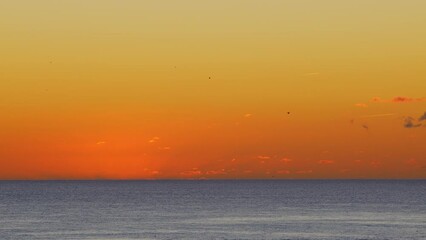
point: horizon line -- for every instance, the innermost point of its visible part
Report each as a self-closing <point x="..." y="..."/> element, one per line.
<point x="227" y="179"/>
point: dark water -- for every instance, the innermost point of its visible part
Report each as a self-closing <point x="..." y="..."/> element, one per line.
<point x="213" y="210"/>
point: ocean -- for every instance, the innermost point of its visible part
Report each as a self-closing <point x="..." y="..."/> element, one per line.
<point x="213" y="209"/>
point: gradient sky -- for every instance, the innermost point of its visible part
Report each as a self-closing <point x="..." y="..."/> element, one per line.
<point x="104" y="89"/>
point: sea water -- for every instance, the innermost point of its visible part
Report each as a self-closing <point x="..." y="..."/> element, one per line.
<point x="231" y="209"/>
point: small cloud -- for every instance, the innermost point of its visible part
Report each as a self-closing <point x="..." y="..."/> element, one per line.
<point x="423" y="117"/>
<point x="283" y="172"/>
<point x="233" y="160"/>
<point x="411" y="162"/>
<point x="164" y="148"/>
<point x="286" y="160"/>
<point x="191" y="173"/>
<point x="248" y="115"/>
<point x="409" y="122"/>
<point x="325" y="161"/>
<point x="154" y="139"/>
<point x="365" y="126"/>
<point x="216" y="172"/>
<point x="100" y="142"/>
<point x="361" y="105"/>
<point x="375" y="163"/>
<point x="304" y="171"/>
<point x="155" y="172"/>
<point x="263" y="157"/>
<point x="402" y="99"/>
<point x="376" y="99"/>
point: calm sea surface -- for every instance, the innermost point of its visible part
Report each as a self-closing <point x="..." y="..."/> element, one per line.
<point x="213" y="209"/>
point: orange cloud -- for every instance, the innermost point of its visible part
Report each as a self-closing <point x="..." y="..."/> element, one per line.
<point x="216" y="172"/>
<point x="283" y="172"/>
<point x="362" y="105"/>
<point x="191" y="173"/>
<point x="375" y="163"/>
<point x="411" y="162"/>
<point x="304" y="171"/>
<point x="325" y="161"/>
<point x="263" y="157"/>
<point x="286" y="160"/>
<point x="164" y="148"/>
<point x="154" y="139"/>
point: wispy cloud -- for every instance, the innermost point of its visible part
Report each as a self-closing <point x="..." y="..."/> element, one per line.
<point x="398" y="99"/>
<point x="248" y="115"/>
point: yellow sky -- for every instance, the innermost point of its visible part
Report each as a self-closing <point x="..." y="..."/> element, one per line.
<point x="202" y="89"/>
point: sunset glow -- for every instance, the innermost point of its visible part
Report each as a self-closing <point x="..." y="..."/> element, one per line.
<point x="192" y="89"/>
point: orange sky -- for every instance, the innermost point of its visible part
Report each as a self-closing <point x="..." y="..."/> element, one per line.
<point x="202" y="89"/>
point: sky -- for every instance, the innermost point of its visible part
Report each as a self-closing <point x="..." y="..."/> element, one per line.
<point x="239" y="89"/>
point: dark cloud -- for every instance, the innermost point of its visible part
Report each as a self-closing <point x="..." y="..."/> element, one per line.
<point x="423" y="117"/>
<point x="404" y="99"/>
<point x="409" y="123"/>
<point x="365" y="126"/>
